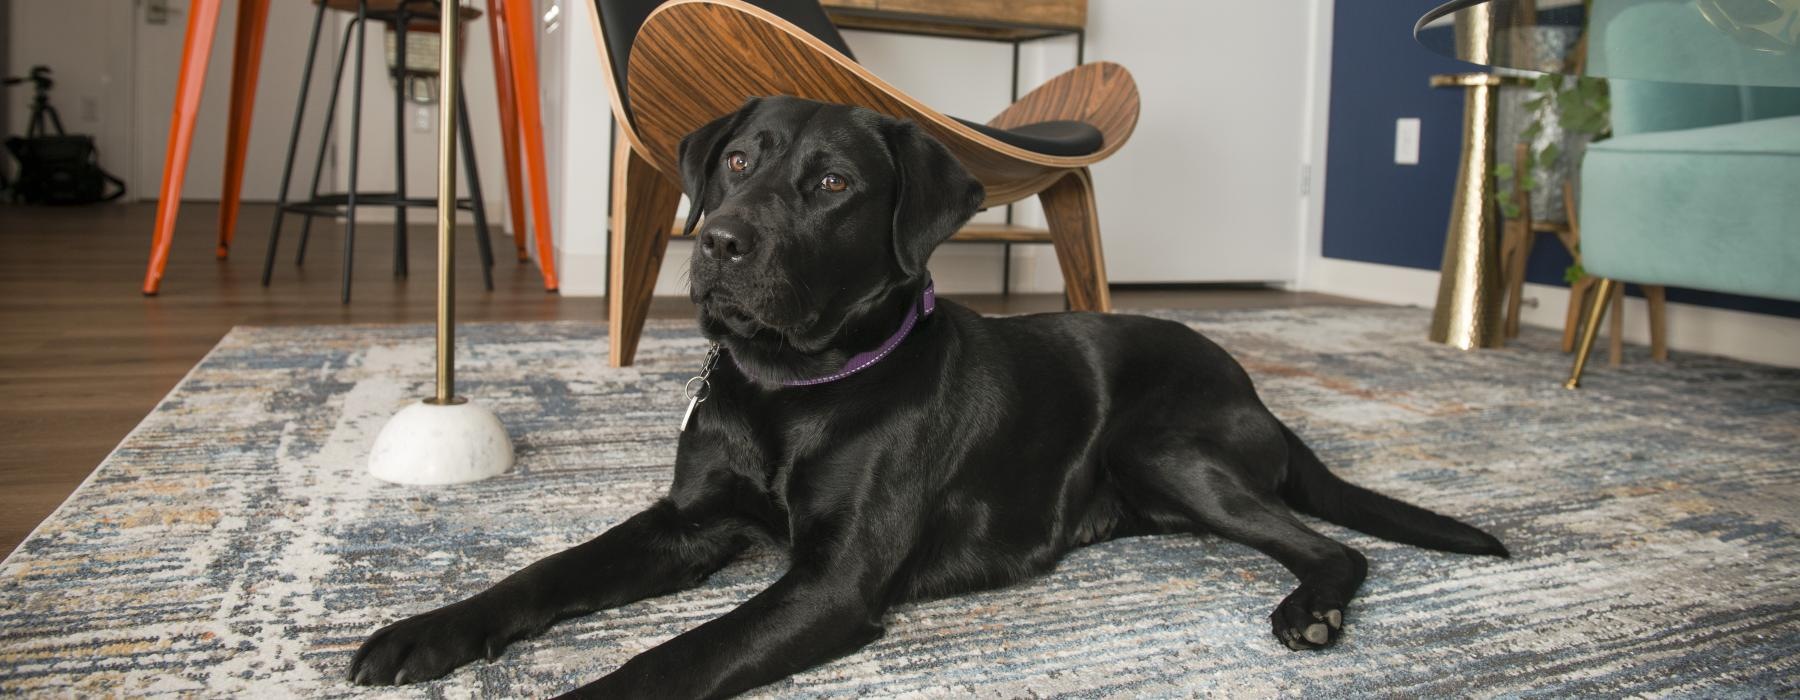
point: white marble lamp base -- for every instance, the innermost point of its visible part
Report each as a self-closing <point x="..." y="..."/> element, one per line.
<point x="430" y="444"/>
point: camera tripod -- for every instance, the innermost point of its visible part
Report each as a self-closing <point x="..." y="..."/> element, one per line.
<point x="43" y="115"/>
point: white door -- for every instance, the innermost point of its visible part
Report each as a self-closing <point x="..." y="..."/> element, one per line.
<point x="156" y="61"/>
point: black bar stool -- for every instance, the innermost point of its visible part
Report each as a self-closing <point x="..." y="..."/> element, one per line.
<point x="401" y="16"/>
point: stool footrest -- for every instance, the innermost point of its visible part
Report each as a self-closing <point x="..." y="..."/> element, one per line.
<point x="335" y="204"/>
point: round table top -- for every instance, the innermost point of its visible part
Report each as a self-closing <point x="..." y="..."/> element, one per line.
<point x="1716" y="42"/>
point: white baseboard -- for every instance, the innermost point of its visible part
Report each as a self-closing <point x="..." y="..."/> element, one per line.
<point x="1760" y="338"/>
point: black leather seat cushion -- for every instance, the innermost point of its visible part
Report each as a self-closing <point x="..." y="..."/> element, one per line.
<point x="1057" y="138"/>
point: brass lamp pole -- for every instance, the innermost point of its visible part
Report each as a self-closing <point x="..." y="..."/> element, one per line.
<point x="445" y="439"/>
<point x="450" y="82"/>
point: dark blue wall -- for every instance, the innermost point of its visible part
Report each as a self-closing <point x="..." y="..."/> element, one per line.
<point x="1379" y="212"/>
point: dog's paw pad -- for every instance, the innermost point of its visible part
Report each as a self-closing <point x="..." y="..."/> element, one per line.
<point x="1307" y="620"/>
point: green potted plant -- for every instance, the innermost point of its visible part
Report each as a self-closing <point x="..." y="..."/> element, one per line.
<point x="1558" y="117"/>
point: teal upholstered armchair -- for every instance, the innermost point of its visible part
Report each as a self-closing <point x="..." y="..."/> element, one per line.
<point x="1699" y="186"/>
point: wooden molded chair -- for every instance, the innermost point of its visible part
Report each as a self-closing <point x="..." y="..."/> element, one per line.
<point x="677" y="66"/>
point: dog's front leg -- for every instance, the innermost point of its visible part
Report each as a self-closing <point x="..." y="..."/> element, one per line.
<point x="810" y="616"/>
<point x="667" y="547"/>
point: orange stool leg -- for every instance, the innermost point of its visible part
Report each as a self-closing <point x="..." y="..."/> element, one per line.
<point x="523" y="48"/>
<point x="509" y="124"/>
<point x="203" y="18"/>
<point x="246" y="61"/>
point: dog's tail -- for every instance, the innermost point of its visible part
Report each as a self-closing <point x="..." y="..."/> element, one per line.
<point x="1314" y="490"/>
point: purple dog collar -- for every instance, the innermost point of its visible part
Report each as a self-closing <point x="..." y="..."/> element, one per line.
<point x="861" y="361"/>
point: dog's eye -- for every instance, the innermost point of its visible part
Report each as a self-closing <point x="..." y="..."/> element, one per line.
<point x="833" y="183"/>
<point x="737" y="162"/>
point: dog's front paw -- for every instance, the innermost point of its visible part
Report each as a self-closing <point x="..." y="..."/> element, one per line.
<point x="1308" y="619"/>
<point x="427" y="646"/>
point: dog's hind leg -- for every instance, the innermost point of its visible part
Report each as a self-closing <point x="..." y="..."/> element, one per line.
<point x="1214" y="489"/>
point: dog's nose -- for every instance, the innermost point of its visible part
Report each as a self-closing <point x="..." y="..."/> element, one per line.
<point x="723" y="241"/>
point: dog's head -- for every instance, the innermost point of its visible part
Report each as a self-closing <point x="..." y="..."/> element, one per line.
<point x="819" y="219"/>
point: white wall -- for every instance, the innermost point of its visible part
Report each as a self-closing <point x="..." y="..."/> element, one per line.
<point x="577" y="128"/>
<point x="1208" y="189"/>
<point x="147" y="66"/>
<point x="116" y="74"/>
<point x="376" y="170"/>
<point x="86" y="44"/>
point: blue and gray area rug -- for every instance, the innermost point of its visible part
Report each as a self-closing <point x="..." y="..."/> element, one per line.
<point x="233" y="545"/>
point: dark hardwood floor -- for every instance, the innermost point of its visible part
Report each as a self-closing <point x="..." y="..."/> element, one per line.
<point x="84" y="356"/>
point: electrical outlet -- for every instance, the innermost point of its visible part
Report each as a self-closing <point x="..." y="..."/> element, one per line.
<point x="422" y="118"/>
<point x="1406" y="141"/>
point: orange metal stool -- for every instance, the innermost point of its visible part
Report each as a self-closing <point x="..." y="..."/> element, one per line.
<point x="515" y="67"/>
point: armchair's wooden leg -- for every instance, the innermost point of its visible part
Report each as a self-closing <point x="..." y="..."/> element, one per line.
<point x="1578" y="295"/>
<point x="1596" y="312"/>
<point x="1659" y="322"/>
<point x="1571" y="240"/>
<point x="1075" y="229"/>
<point x="644" y="204"/>
<point x="1615" y="342"/>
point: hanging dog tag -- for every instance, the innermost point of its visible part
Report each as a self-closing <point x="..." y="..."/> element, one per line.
<point x="698" y="388"/>
<point x="696" y="394"/>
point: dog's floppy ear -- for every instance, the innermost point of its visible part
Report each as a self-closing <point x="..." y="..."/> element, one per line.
<point x="933" y="195"/>
<point x="700" y="152"/>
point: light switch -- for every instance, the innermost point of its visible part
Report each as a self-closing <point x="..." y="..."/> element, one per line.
<point x="1406" y="141"/>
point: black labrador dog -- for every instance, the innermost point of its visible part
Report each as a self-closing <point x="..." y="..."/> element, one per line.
<point x="903" y="447"/>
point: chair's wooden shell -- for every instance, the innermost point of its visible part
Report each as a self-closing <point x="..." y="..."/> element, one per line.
<point x="696" y="60"/>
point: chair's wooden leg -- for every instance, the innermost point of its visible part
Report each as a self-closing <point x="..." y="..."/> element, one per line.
<point x="1515" y="249"/>
<point x="1596" y="312"/>
<point x="522" y="47"/>
<point x="1615" y="355"/>
<point x="644" y="204"/>
<point x="246" y="63"/>
<point x="1513" y="271"/>
<point x="509" y="124"/>
<point x="1075" y="230"/>
<point x="1578" y="294"/>
<point x="1659" y="328"/>
<point x="1518" y="285"/>
<point x="196" y="50"/>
